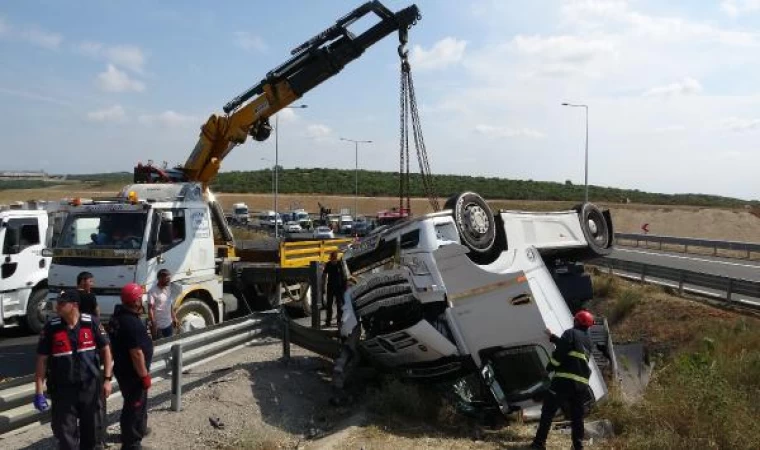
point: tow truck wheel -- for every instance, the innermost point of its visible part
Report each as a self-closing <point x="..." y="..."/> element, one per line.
<point x="475" y="222"/>
<point x="35" y="313"/>
<point x="194" y="314"/>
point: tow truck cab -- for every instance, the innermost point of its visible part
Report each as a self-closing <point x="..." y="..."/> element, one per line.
<point x="147" y="227"/>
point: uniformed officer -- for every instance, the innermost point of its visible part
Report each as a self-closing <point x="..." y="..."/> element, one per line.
<point x="68" y="347"/>
<point x="133" y="351"/>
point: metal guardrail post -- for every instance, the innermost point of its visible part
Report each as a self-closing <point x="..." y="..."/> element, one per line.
<point x="177" y="377"/>
<point x="285" y="321"/>
<point x="316" y="294"/>
<point x="681" y="277"/>
<point x="715" y="250"/>
<point x="643" y="272"/>
<point x="730" y="289"/>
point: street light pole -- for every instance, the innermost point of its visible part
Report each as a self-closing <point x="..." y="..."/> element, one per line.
<point x="586" y="153"/>
<point x="277" y="164"/>
<point x="356" y="172"/>
<point x="269" y="161"/>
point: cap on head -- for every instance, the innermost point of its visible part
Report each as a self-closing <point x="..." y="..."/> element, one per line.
<point x="131" y="294"/>
<point x="70" y="296"/>
<point x="584" y="318"/>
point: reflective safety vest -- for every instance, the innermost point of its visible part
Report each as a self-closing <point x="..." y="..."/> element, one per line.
<point x="72" y="362"/>
<point x="570" y="358"/>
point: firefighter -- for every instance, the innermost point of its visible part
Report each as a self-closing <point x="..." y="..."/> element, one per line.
<point x="68" y="347"/>
<point x="133" y="351"/>
<point x="569" y="386"/>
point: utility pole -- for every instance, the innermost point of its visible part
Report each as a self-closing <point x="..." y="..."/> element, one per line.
<point x="356" y="172"/>
<point x="585" y="199"/>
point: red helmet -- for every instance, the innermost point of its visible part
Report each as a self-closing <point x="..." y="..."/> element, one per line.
<point x="131" y="294"/>
<point x="584" y="318"/>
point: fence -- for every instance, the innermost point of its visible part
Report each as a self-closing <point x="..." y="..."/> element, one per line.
<point x="16" y="396"/>
<point x="747" y="247"/>
<point x="725" y="288"/>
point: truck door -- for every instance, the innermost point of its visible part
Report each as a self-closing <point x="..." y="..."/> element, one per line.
<point x="21" y="253"/>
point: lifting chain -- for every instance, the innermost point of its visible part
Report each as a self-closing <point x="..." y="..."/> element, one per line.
<point x="408" y="110"/>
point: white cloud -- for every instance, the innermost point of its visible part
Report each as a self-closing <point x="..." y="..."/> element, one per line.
<point x="31" y="34"/>
<point x="318" y="131"/>
<point x="735" y="8"/>
<point x="595" y="14"/>
<point x="444" y="53"/>
<point x="114" y="113"/>
<point x="670" y="129"/>
<point x="114" y="80"/>
<point x="169" y="118"/>
<point x="287" y="115"/>
<point x="250" y="42"/>
<point x="573" y="49"/>
<point x="506" y="132"/>
<point x="34" y="96"/>
<point x="687" y="86"/>
<point x="739" y="125"/>
<point x="126" y="56"/>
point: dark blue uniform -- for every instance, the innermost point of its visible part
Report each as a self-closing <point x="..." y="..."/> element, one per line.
<point x="73" y="379"/>
<point x="569" y="362"/>
<point x="129" y="332"/>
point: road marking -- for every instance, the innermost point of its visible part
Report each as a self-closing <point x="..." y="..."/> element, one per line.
<point x="752" y="266"/>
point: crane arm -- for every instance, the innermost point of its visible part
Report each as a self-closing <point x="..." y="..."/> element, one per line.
<point x="312" y="63"/>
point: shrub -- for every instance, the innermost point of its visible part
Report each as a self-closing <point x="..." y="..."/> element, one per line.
<point x="625" y="303"/>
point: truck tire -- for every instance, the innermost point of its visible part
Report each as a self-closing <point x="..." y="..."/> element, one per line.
<point x="194" y="314"/>
<point x="35" y="318"/>
<point x="595" y="229"/>
<point x="477" y="226"/>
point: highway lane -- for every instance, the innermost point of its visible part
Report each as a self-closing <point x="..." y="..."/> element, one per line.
<point x="726" y="267"/>
<point x="17" y="352"/>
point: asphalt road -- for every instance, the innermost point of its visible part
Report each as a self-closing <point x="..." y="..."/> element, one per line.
<point x="726" y="267"/>
<point x="17" y="352"/>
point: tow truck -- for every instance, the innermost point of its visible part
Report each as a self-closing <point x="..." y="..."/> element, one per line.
<point x="169" y="219"/>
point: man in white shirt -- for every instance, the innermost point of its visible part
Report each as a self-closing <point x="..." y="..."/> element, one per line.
<point x="161" y="306"/>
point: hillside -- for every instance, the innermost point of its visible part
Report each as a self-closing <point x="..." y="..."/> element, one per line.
<point x="385" y="184"/>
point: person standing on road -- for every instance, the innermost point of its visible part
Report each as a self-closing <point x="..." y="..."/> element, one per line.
<point x="570" y="364"/>
<point x="163" y="319"/>
<point x="350" y="331"/>
<point x="68" y="348"/>
<point x="88" y="303"/>
<point x="334" y="287"/>
<point x="133" y="352"/>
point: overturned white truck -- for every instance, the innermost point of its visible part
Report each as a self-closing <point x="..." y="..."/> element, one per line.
<point x="466" y="295"/>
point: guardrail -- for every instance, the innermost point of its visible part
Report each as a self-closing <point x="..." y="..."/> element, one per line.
<point x="686" y="242"/>
<point x="16" y="396"/>
<point x="725" y="288"/>
<point x="301" y="253"/>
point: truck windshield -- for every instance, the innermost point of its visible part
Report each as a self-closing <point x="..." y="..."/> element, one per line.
<point x="241" y="210"/>
<point x="104" y="230"/>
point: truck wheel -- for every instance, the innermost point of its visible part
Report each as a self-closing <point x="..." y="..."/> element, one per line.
<point x="35" y="313"/>
<point x="475" y="223"/>
<point x="595" y="228"/>
<point x="194" y="314"/>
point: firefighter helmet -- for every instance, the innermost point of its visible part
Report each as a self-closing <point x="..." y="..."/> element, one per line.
<point x="131" y="294"/>
<point x="584" y="318"/>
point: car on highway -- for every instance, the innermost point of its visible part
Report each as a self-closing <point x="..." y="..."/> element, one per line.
<point x="323" y="232"/>
<point x="293" y="227"/>
<point x="361" y="228"/>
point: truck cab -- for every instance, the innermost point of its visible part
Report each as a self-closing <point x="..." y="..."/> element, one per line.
<point x="129" y="238"/>
<point x="240" y="213"/>
<point x="23" y="267"/>
<point x="465" y="294"/>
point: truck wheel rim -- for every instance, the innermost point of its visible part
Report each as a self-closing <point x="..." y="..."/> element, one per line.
<point x="478" y="219"/>
<point x="193" y="321"/>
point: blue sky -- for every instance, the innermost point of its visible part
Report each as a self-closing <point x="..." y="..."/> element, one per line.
<point x="674" y="103"/>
